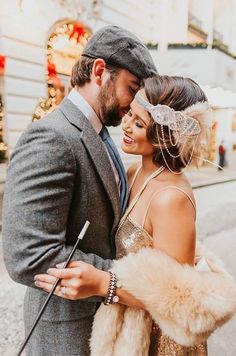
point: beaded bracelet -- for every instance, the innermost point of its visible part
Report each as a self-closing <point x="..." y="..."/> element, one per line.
<point x="111" y="294"/>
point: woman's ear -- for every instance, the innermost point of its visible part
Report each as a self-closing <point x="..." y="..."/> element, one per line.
<point x="98" y="70"/>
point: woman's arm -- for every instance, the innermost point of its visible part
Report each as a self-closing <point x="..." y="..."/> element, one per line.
<point x="172" y="220"/>
<point x="82" y="280"/>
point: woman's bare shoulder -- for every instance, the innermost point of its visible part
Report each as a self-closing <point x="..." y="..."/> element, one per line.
<point x="170" y="196"/>
<point x="172" y="189"/>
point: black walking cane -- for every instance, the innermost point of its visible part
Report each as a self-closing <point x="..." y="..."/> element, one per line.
<point x="80" y="237"/>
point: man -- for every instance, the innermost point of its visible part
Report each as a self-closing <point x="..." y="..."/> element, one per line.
<point x="62" y="174"/>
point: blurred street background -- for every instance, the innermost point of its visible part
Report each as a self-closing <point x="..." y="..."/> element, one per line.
<point x="39" y="43"/>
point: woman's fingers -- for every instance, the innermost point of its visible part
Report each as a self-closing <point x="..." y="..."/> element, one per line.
<point x="60" y="291"/>
<point x="60" y="265"/>
<point x="45" y="278"/>
<point x="74" y="264"/>
<point x="47" y="286"/>
<point x="42" y="280"/>
<point x="68" y="278"/>
<point x="71" y="264"/>
<point x="73" y="283"/>
<point x="65" y="273"/>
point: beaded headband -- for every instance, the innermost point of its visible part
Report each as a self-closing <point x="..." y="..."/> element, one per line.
<point x="178" y="121"/>
<point x="186" y="129"/>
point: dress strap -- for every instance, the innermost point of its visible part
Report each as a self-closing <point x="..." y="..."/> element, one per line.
<point x="135" y="199"/>
<point x="160" y="191"/>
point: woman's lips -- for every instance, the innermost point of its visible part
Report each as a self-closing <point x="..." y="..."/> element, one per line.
<point x="128" y="140"/>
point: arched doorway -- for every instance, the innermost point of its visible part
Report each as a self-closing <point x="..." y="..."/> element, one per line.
<point x="64" y="47"/>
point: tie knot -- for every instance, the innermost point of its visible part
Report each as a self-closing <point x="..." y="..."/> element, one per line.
<point x="104" y="133"/>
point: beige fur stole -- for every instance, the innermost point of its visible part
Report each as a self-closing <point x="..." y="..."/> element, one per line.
<point x="186" y="303"/>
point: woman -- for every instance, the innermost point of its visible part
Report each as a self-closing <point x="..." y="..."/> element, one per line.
<point x="156" y="302"/>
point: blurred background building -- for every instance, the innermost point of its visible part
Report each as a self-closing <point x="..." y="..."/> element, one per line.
<point x="41" y="40"/>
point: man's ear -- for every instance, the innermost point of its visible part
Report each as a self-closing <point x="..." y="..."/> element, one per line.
<point x="98" y="70"/>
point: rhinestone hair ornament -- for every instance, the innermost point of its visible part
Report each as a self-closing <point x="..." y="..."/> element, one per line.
<point x="176" y="120"/>
<point x="187" y="130"/>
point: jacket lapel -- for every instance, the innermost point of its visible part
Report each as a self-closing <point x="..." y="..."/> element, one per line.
<point x="97" y="152"/>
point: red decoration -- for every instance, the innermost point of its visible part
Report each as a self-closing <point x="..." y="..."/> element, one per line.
<point x="51" y="69"/>
<point x="52" y="73"/>
<point x="2" y="64"/>
<point x="77" y="32"/>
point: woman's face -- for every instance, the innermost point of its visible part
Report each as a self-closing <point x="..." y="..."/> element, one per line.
<point x="134" y="125"/>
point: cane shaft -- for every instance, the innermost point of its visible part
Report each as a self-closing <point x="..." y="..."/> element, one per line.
<point x="80" y="237"/>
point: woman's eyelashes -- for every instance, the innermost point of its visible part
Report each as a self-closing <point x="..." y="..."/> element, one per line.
<point x="135" y="119"/>
<point x="139" y="124"/>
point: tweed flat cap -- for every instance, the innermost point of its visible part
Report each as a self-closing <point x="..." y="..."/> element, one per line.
<point x="120" y="47"/>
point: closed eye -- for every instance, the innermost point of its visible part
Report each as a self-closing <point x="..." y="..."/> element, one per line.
<point x="133" y="91"/>
<point x="139" y="124"/>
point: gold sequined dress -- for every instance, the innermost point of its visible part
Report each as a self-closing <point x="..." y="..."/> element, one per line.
<point x="130" y="237"/>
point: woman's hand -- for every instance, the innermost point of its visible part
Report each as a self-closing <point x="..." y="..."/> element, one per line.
<point x="79" y="280"/>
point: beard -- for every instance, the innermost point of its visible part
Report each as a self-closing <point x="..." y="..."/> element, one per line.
<point x="109" y="104"/>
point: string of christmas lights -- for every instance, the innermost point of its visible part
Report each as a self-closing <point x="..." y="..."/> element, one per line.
<point x="64" y="47"/>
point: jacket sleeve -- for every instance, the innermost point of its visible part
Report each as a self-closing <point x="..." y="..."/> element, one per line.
<point x="36" y="205"/>
<point x="186" y="303"/>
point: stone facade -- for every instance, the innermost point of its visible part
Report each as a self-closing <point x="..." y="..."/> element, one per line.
<point x="25" y="26"/>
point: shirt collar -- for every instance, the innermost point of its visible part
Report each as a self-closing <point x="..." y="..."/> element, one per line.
<point x="78" y="100"/>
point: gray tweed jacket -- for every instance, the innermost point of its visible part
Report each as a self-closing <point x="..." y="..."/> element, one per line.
<point x="58" y="177"/>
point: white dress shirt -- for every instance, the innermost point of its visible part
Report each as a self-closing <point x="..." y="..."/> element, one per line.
<point x="78" y="100"/>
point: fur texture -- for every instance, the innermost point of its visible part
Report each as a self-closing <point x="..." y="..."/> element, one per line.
<point x="187" y="304"/>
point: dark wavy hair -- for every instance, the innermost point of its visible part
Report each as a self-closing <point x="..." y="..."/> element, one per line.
<point x="82" y="69"/>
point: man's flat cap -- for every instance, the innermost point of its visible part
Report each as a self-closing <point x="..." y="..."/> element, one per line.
<point x="121" y="48"/>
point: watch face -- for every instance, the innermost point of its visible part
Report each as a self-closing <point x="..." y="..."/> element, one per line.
<point x="116" y="299"/>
